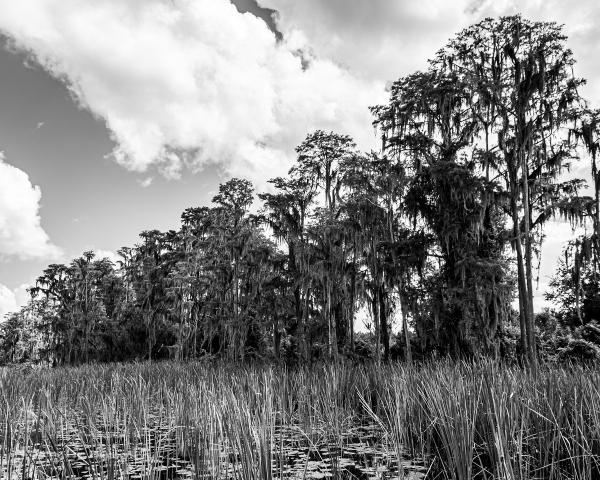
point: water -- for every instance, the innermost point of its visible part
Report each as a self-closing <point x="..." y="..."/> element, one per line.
<point x="166" y="452"/>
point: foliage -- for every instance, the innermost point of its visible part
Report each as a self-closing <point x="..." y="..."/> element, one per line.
<point x="218" y="420"/>
<point x="437" y="233"/>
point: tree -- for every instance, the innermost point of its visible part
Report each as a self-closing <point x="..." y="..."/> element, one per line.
<point x="319" y="158"/>
<point x="428" y="129"/>
<point x="521" y="74"/>
<point x="472" y="154"/>
<point x="285" y="213"/>
<point x="505" y="96"/>
<point x="575" y="286"/>
<point x="233" y="232"/>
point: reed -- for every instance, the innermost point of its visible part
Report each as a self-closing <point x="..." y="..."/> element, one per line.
<point x="195" y="420"/>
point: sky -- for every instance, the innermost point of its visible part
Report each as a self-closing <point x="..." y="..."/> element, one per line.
<point x="116" y="116"/>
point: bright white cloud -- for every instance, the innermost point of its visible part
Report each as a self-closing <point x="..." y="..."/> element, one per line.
<point x="182" y="83"/>
<point x="186" y="82"/>
<point x="12" y="300"/>
<point x="22" y="294"/>
<point x="21" y="233"/>
<point x="112" y="256"/>
<point x="8" y="302"/>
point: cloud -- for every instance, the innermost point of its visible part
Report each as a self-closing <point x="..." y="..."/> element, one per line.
<point x="21" y="233"/>
<point x="557" y="235"/>
<point x="375" y="39"/>
<point x="146" y="182"/>
<point x="12" y="300"/>
<point x="109" y="254"/>
<point x="581" y="24"/>
<point x="384" y="39"/>
<point x="8" y="301"/>
<point x="184" y="83"/>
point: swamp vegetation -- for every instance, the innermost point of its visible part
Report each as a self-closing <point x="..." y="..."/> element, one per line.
<point x="437" y="234"/>
<point x="171" y="420"/>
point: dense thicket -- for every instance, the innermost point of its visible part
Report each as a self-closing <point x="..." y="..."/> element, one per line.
<point x="439" y="230"/>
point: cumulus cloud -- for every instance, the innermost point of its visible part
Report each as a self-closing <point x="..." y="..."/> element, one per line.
<point x="384" y="39"/>
<point x="182" y="83"/>
<point x="12" y="300"/>
<point x="21" y="233"/>
<point x="375" y="39"/>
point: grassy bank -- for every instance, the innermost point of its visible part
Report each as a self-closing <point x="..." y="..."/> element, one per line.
<point x="169" y="420"/>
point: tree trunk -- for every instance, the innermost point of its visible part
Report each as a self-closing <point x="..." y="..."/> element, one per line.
<point x="383" y="325"/>
<point x="519" y="250"/>
<point x="332" y="338"/>
<point x="596" y="176"/>
<point x="529" y="319"/>
<point x="352" y="305"/>
<point x="149" y="342"/>
<point x="404" y="311"/>
<point x="276" y="340"/>
<point x="375" y="306"/>
<point x="305" y="312"/>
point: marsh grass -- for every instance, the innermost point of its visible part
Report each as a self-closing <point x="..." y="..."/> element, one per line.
<point x="168" y="420"/>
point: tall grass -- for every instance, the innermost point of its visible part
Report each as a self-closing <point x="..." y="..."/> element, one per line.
<point x="196" y="420"/>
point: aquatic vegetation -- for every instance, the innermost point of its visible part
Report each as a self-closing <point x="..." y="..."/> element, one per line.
<point x="195" y="420"/>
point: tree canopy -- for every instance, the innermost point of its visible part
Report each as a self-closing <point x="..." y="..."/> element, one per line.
<point x="438" y="231"/>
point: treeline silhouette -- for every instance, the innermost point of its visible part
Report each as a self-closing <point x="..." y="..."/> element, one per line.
<point x="439" y="230"/>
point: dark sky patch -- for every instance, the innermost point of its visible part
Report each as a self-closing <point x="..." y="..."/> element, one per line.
<point x="88" y="201"/>
<point x="268" y="15"/>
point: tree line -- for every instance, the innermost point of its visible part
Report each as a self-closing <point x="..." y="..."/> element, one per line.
<point x="440" y="229"/>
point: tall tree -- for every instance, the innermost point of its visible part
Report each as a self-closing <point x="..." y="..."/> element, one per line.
<point x="428" y="128"/>
<point x="285" y="211"/>
<point x="515" y="90"/>
<point x="319" y="158"/>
